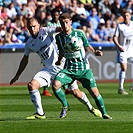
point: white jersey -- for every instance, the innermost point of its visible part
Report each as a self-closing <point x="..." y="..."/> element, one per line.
<point x="44" y="45"/>
<point x="125" y="37"/>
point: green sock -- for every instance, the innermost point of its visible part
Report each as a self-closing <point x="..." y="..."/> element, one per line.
<point x="60" y="95"/>
<point x="45" y="88"/>
<point x="100" y="104"/>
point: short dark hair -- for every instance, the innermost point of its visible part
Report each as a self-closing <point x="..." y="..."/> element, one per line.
<point x="55" y="10"/>
<point x="65" y="15"/>
<point x="126" y="11"/>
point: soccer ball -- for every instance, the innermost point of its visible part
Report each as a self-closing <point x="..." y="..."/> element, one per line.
<point x="74" y="44"/>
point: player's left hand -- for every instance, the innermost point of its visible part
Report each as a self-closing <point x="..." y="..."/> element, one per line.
<point x="98" y="53"/>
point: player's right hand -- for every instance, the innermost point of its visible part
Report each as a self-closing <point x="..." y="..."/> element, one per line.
<point x="13" y="80"/>
<point x="121" y="49"/>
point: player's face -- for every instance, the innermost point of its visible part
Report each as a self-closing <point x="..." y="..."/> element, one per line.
<point x="33" y="28"/>
<point x="127" y="17"/>
<point x="66" y="25"/>
<point x="56" y="16"/>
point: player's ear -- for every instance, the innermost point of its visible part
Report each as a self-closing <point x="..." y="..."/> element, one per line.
<point x="71" y="22"/>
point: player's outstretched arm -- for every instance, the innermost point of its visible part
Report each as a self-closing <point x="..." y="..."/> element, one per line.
<point x="96" y="52"/>
<point x="21" y="68"/>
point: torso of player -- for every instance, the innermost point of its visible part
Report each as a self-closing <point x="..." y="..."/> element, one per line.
<point x="125" y="37"/>
<point x="74" y="60"/>
<point x="44" y="45"/>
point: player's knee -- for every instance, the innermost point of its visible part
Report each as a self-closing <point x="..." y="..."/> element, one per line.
<point x="77" y="93"/>
<point x="56" y="85"/>
<point x="29" y="85"/>
<point x="33" y="85"/>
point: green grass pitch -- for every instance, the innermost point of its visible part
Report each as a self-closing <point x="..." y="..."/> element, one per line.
<point x="15" y="106"/>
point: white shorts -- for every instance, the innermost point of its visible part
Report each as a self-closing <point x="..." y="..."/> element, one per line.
<point x="73" y="86"/>
<point x="45" y="76"/>
<point x="124" y="58"/>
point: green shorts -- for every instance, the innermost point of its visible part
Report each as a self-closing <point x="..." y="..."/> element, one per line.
<point x="85" y="77"/>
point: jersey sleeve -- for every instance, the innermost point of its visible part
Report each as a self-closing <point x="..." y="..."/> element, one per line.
<point x="84" y="39"/>
<point x="26" y="50"/>
<point x="116" y="33"/>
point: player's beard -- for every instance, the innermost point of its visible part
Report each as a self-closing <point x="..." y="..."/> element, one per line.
<point x="34" y="34"/>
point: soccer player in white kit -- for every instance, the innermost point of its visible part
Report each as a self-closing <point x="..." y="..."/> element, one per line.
<point x="123" y="38"/>
<point x="43" y="43"/>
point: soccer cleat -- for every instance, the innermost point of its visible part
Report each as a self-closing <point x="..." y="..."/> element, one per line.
<point x="96" y="112"/>
<point x="36" y="116"/>
<point x="131" y="88"/>
<point x="106" y="116"/>
<point x="63" y="112"/>
<point x="46" y="93"/>
<point x="122" y="91"/>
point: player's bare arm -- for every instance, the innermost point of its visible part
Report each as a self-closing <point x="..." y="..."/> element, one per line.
<point x="21" y="68"/>
<point x="96" y="52"/>
<point x="115" y="39"/>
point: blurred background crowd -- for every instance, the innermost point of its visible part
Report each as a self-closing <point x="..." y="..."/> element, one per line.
<point x="98" y="18"/>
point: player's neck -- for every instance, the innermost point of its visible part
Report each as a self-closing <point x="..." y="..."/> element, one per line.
<point x="68" y="32"/>
<point x="127" y="23"/>
<point x="35" y="36"/>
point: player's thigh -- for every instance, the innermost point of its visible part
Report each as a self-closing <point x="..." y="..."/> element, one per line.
<point x="121" y="57"/>
<point x="88" y="81"/>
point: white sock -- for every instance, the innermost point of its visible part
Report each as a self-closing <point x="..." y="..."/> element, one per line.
<point x="85" y="101"/>
<point x="122" y="76"/>
<point x="36" y="99"/>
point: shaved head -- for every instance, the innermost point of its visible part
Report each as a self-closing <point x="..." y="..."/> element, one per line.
<point x="30" y="20"/>
<point x="33" y="27"/>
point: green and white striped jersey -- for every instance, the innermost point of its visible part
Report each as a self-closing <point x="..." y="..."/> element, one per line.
<point x="53" y="24"/>
<point x="75" y="60"/>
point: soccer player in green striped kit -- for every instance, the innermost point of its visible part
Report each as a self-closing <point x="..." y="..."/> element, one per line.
<point x="72" y="44"/>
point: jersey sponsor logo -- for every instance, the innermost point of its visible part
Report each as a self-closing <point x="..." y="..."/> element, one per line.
<point x="61" y="75"/>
